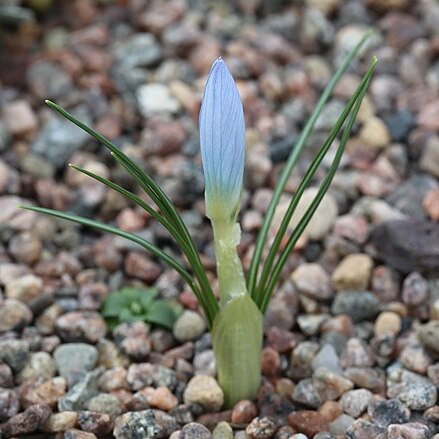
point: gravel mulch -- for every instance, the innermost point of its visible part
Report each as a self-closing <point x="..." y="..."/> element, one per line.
<point x="351" y="342"/>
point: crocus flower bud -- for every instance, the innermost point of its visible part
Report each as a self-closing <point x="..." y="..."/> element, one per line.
<point x="222" y="139"/>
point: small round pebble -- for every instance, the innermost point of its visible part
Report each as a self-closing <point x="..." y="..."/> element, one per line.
<point x="204" y="390"/>
<point x="194" y="430"/>
<point x="387" y="322"/>
<point x="189" y="326"/>
<point x="243" y="412"/>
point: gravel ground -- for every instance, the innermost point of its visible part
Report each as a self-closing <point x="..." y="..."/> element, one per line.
<point x="352" y="335"/>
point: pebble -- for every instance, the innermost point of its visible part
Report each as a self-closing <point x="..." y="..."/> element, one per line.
<point x="31" y="420"/>
<point x="163" y="399"/>
<point x="47" y="393"/>
<point x="104" y="403"/>
<point x="99" y="424"/>
<point x="418" y="395"/>
<point x="327" y="357"/>
<point x="59" y="139"/>
<point x="139" y="50"/>
<point x="428" y="116"/>
<point x="375" y="133"/>
<point x="428" y="335"/>
<point x="25" y="248"/>
<point x="305" y="393"/>
<point x="341" y="424"/>
<point x="59" y="422"/>
<point x="14" y="315"/>
<point x="204" y="363"/>
<point x="310" y="324"/>
<point x="407" y="197"/>
<point x="308" y="422"/>
<point x="141" y="266"/>
<point x="243" y="412"/>
<point x="9" y="404"/>
<point x="412" y="430"/>
<point x="156" y="99"/>
<point x="6" y="378"/>
<point x="73" y="360"/>
<point x="301" y="360"/>
<point x="409" y="245"/>
<point x="204" y="390"/>
<point x="223" y="430"/>
<point x="261" y="428"/>
<point x="355" y="402"/>
<point x="14" y="353"/>
<point x="356" y="354"/>
<point x="194" y="430"/>
<point x="145" y="374"/>
<point x="74" y="433"/>
<point x="414" y="289"/>
<point x="362" y="429"/>
<point x="313" y="281"/>
<point x="189" y="326"/>
<point x="388" y="322"/>
<point x="81" y="392"/>
<point x="19" y="118"/>
<point x="386" y="412"/>
<point x="353" y="273"/>
<point x="25" y="289"/>
<point x="81" y="326"/>
<point x="414" y="358"/>
<point x="146" y="423"/>
<point x="132" y="339"/>
<point x="40" y="365"/>
<point x="329" y="385"/>
<point x="360" y="305"/>
<point x="322" y="220"/>
<point x="48" y="81"/>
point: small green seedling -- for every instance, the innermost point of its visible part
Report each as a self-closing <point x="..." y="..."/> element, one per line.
<point x="132" y="304"/>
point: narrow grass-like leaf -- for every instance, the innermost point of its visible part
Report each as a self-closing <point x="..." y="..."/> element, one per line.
<point x="274" y="277"/>
<point x="165" y="205"/>
<point x="129" y="195"/>
<point x="130" y="236"/>
<point x="255" y="263"/>
<point x="259" y="293"/>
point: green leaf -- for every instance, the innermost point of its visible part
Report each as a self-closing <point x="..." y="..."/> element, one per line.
<point x="115" y="231"/>
<point x="267" y="268"/>
<point x="255" y="263"/>
<point x="275" y="273"/>
<point x="147" y="296"/>
<point x="127" y="316"/>
<point x="113" y="304"/>
<point x="204" y="291"/>
<point x="237" y="342"/>
<point x="162" y="313"/>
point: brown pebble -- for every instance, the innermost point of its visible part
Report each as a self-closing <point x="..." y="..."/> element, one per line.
<point x="330" y="410"/>
<point x="308" y="422"/>
<point x="163" y="399"/>
<point x="31" y="420"/>
<point x="243" y="412"/>
<point x="270" y="362"/>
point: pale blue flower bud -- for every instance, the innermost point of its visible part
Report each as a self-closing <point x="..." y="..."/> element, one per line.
<point x="222" y="139"/>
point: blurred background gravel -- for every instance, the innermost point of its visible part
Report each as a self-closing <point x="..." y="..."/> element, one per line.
<point x="352" y="335"/>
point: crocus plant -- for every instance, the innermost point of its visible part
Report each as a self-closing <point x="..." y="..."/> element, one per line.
<point x="236" y="320"/>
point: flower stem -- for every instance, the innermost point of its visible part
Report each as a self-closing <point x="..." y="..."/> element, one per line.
<point x="229" y="267"/>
